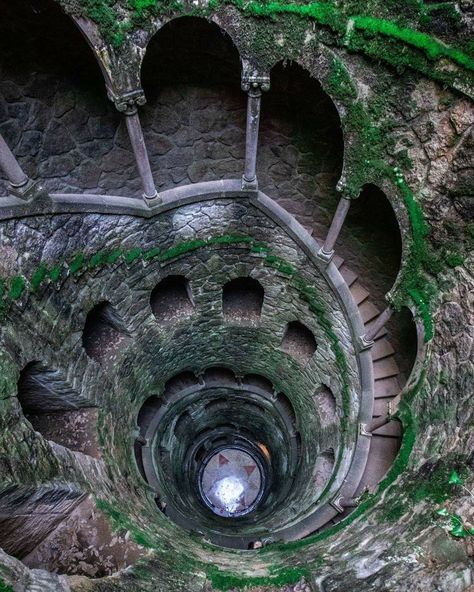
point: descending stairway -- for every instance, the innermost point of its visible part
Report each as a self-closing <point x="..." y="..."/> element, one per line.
<point x="388" y="382"/>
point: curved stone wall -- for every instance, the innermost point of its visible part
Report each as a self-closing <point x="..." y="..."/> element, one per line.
<point x="268" y="289"/>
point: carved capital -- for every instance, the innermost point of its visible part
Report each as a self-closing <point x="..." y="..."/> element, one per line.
<point x="249" y="184"/>
<point x="364" y="343"/>
<point x="28" y="191"/>
<point x="254" y="84"/>
<point x="325" y="257"/>
<point x="337" y="504"/>
<point x="128" y="102"/>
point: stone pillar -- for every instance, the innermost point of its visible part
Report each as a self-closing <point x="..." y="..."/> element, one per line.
<point x="20" y="184"/>
<point x="128" y="104"/>
<point x="367" y="340"/>
<point x="326" y="252"/>
<point x="254" y="85"/>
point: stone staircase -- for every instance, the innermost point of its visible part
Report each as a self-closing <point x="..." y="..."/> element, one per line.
<point x="388" y="382"/>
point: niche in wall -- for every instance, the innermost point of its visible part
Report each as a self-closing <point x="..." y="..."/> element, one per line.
<point x="57" y="411"/>
<point x="104" y="332"/>
<point x="242" y="299"/>
<point x="299" y="342"/>
<point x="171" y="300"/>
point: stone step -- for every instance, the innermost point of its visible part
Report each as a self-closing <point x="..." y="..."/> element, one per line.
<point x="382" y="348"/>
<point x="338" y="261"/>
<point x="368" y="311"/>
<point x="380" y="334"/>
<point x="386" y="387"/>
<point x="359" y="293"/>
<point x="349" y="276"/>
<point x="381" y="456"/>
<point x="385" y="368"/>
<point x="392" y="429"/>
<point x="381" y="406"/>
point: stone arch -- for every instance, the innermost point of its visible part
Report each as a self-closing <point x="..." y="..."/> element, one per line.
<point x="171" y="299"/>
<point x="198" y="26"/>
<point x="56" y="410"/>
<point x="104" y="333"/>
<point x="54" y="84"/>
<point x="242" y="299"/>
<point x="194" y="120"/>
<point x="301" y="146"/>
<point x="299" y="341"/>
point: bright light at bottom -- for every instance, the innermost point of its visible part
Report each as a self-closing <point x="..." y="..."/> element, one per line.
<point x="229" y="492"/>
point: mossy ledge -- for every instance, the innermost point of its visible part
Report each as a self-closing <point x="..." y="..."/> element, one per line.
<point x="356" y="32"/>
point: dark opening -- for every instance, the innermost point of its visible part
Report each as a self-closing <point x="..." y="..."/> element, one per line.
<point x="301" y="147"/>
<point x="194" y="120"/>
<point x="325" y="405"/>
<point x="299" y="342"/>
<point x="57" y="411"/>
<point x="104" y="332"/>
<point x="171" y="299"/>
<point x="371" y="223"/>
<point x="242" y="299"/>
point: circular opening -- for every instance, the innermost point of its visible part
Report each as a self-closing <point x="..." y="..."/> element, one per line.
<point x="231" y="482"/>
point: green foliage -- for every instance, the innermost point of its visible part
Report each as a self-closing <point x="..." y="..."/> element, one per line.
<point x="455" y="479"/>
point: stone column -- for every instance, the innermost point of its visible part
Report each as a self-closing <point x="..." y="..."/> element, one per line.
<point x="326" y="252"/>
<point x="128" y="104"/>
<point x="367" y="340"/>
<point x="254" y="85"/>
<point x="20" y="184"/>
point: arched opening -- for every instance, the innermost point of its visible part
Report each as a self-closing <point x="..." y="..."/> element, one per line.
<point x="325" y="405"/>
<point x="171" y="300"/>
<point x="194" y="121"/>
<point x="54" y="112"/>
<point x="57" y="411"/>
<point x="242" y="299"/>
<point x="301" y="147"/>
<point x="370" y="243"/>
<point x="104" y="332"/>
<point x="299" y="342"/>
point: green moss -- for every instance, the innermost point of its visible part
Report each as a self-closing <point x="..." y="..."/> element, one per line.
<point x="359" y="31"/>
<point x="120" y="521"/>
<point x="132" y="255"/>
<point x="55" y="273"/>
<point x="222" y="580"/>
<point x="151" y="254"/>
<point x="38" y="277"/>
<point x="433" y="48"/>
<point x="339" y="83"/>
<point x="113" y="256"/>
<point x="4" y="587"/>
<point x="182" y="248"/>
<point x="77" y="263"/>
<point x="280" y="264"/>
<point x="17" y="287"/>
<point x="98" y="259"/>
